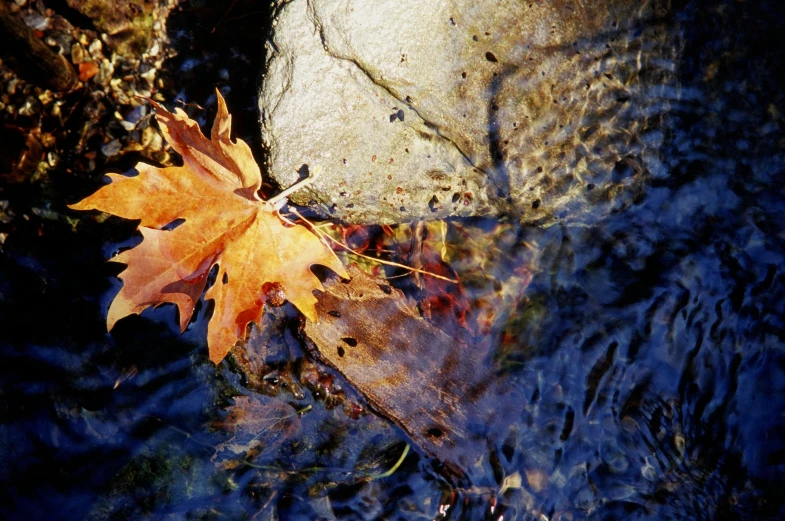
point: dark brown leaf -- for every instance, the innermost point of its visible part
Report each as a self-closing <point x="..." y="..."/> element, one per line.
<point x="422" y="379"/>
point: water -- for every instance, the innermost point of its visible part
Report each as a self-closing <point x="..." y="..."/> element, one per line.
<point x="648" y="348"/>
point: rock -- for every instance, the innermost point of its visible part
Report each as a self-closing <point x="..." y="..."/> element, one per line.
<point x="29" y="56"/>
<point x="469" y="107"/>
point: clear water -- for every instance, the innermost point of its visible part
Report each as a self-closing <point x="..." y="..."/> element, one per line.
<point x="648" y="348"/>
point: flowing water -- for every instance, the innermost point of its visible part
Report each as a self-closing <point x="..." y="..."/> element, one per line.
<point x="648" y="350"/>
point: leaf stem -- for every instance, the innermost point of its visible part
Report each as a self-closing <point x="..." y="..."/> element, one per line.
<point x="296" y="186"/>
<point x="323" y="235"/>
<point x="393" y="468"/>
<point x="370" y="477"/>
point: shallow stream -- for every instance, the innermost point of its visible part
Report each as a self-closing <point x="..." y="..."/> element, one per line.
<point x="648" y="347"/>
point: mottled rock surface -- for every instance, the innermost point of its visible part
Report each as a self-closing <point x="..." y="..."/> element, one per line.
<point x="539" y="110"/>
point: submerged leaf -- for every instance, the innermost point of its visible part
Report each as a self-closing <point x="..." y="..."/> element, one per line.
<point x="258" y="424"/>
<point x="422" y="379"/>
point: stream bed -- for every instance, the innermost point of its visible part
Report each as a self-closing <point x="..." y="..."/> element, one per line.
<point x="646" y="351"/>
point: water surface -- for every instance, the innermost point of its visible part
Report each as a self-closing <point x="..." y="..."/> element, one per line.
<point x="648" y="348"/>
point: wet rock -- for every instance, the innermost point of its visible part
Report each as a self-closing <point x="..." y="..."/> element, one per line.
<point x="29" y="56"/>
<point x="466" y="108"/>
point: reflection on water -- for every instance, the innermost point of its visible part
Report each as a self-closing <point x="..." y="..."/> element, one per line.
<point x="657" y="362"/>
<point x="648" y="348"/>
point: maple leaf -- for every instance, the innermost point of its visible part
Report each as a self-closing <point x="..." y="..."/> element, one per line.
<point x="215" y="193"/>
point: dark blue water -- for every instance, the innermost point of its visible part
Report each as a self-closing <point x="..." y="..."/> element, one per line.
<point x="649" y="348"/>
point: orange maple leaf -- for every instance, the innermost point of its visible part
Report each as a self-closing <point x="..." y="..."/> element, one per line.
<point x="215" y="192"/>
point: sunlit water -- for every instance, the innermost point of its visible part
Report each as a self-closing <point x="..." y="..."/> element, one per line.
<point x="648" y="349"/>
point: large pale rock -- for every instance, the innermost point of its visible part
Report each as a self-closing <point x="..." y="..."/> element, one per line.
<point x="467" y="107"/>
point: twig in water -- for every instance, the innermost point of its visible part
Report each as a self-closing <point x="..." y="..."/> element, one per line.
<point x="393" y="468"/>
<point x="323" y="235"/>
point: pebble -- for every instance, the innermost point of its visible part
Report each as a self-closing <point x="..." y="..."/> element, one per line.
<point x="105" y="72"/>
<point x="87" y="70"/>
<point x="5" y="213"/>
<point x="77" y="54"/>
<point x="51" y="42"/>
<point x="149" y="75"/>
<point x="111" y="148"/>
<point x="537" y="479"/>
<point x="11" y="87"/>
<point x="586" y="499"/>
<point x="189" y="64"/>
<point x="45" y="97"/>
<point x="629" y="425"/>
<point x="95" y="49"/>
<point x="28" y="108"/>
<point x="152" y="139"/>
<point x="56" y="108"/>
<point x="680" y="443"/>
<point x="512" y="481"/>
<point x="617" y="461"/>
<point x="36" y="21"/>
<point x="621" y="492"/>
<point x="648" y="471"/>
<point x="136" y="114"/>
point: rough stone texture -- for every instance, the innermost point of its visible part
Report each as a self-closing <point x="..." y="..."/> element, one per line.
<point x="468" y="107"/>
